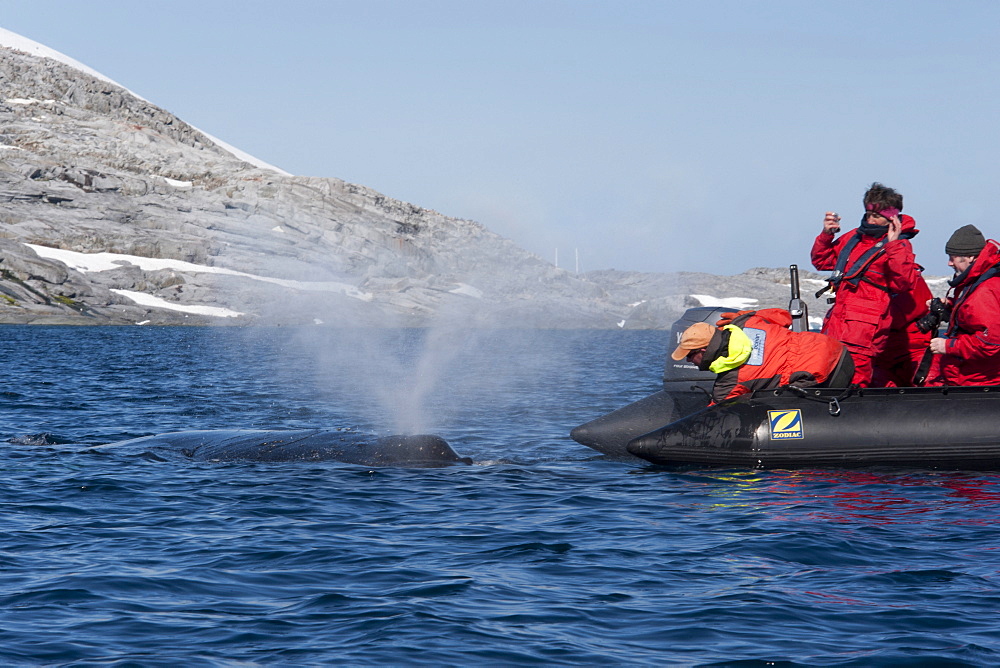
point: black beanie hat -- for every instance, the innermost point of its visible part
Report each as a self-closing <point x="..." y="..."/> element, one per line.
<point x="966" y="241"/>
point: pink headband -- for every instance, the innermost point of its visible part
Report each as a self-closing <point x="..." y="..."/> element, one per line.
<point x="887" y="213"/>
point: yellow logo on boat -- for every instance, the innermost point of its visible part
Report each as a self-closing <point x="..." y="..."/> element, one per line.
<point x="785" y="424"/>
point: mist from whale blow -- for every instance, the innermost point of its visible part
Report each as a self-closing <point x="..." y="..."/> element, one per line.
<point x="421" y="380"/>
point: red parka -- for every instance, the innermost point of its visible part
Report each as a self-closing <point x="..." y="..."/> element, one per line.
<point x="905" y="344"/>
<point x="972" y="354"/>
<point x="873" y="271"/>
<point x="780" y="356"/>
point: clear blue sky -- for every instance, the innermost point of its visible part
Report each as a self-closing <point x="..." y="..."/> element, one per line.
<point x="652" y="136"/>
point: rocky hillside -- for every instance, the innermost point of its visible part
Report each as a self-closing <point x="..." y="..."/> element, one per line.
<point x="113" y="211"/>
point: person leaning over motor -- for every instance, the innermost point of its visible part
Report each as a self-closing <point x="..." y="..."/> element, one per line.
<point x="870" y="265"/>
<point x="756" y="350"/>
<point x="969" y="352"/>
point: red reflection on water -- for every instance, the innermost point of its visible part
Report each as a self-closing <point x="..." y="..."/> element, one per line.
<point x="887" y="498"/>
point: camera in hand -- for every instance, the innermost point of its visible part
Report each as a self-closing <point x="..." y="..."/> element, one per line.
<point x="938" y="313"/>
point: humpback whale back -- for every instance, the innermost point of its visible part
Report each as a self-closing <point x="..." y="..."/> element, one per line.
<point x="260" y="445"/>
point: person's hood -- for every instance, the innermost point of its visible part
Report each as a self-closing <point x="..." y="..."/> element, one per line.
<point x="909" y="226"/>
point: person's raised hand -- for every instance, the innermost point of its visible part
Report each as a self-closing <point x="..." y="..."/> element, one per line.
<point x="831" y="223"/>
<point x="895" y="229"/>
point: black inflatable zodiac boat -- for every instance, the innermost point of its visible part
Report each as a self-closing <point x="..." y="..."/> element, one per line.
<point x="945" y="428"/>
<point x="942" y="428"/>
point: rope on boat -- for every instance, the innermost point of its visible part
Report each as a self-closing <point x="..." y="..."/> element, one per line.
<point x="812" y="394"/>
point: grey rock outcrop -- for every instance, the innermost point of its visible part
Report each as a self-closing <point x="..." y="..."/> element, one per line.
<point x="86" y="166"/>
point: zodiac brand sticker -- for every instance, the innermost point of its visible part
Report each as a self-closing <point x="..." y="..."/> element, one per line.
<point x="785" y="424"/>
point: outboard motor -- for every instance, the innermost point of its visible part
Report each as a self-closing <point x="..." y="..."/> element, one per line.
<point x="683" y="378"/>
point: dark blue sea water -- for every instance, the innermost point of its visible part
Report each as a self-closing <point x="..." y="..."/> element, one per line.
<point x="540" y="553"/>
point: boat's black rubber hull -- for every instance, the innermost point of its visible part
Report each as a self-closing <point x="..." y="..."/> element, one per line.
<point x="611" y="433"/>
<point x="686" y="389"/>
<point x="955" y="428"/>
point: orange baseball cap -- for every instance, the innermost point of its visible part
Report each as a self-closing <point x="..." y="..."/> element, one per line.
<point x="695" y="337"/>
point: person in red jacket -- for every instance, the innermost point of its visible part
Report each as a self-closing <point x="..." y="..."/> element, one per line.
<point x="969" y="353"/>
<point x="756" y="350"/>
<point x="870" y="265"/>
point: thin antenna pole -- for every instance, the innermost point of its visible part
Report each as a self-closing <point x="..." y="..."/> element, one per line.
<point x="577" y="251"/>
<point x="557" y="257"/>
